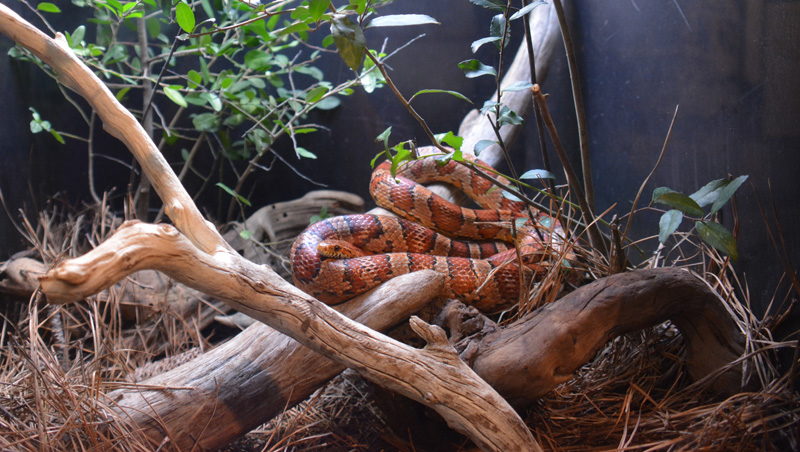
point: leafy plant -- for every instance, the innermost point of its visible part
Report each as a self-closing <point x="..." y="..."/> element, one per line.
<point x="714" y="194"/>
<point x="229" y="78"/>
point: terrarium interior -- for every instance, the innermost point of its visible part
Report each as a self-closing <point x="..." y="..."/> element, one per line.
<point x="262" y="226"/>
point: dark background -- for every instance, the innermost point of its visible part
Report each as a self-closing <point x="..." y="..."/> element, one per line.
<point x="733" y="67"/>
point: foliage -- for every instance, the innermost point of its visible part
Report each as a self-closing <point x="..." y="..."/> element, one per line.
<point x="242" y="75"/>
<point x="715" y="194"/>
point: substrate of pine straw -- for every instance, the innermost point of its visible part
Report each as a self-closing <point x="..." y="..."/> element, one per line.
<point x="57" y="363"/>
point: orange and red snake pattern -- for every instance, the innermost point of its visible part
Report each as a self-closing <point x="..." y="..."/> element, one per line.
<point x="338" y="258"/>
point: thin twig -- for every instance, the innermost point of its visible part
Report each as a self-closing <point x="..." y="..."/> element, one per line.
<point x="647" y="179"/>
<point x="536" y="114"/>
<point x="577" y="97"/>
<point x="595" y="237"/>
<point x="90" y="162"/>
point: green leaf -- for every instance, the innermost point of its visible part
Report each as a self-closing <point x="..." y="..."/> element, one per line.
<point x="518" y="86"/>
<point x="444" y="91"/>
<point x="726" y="192"/>
<point x="207" y="8"/>
<point x="36" y="126"/>
<point x="121" y="93"/>
<point x="375" y="159"/>
<point x="175" y="95"/>
<point x="48" y="7"/>
<point x="477" y="44"/>
<point x="359" y="6"/>
<point x="233" y="193"/>
<point x="213" y="100"/>
<point x="328" y="103"/>
<point x="114" y="5"/>
<point x="384" y="137"/>
<point x="257" y="83"/>
<point x="257" y="60"/>
<point x="195" y="78"/>
<point x="349" y="40"/>
<point x="311" y="71"/>
<point x="185" y="17"/>
<point x="295" y="28"/>
<point x="57" y="136"/>
<point x="323" y="214"/>
<point x="481" y="145"/>
<point x="660" y="191"/>
<point x="537" y="174"/>
<point x="127" y="7"/>
<point x="401" y="155"/>
<point x="497" y="27"/>
<point x="370" y="77"/>
<point x="206" y="122"/>
<point x="525" y="10"/>
<point x="245" y="234"/>
<point x="474" y="68"/>
<point x="450" y="139"/>
<point x="668" y="224"/>
<point x="402" y="20"/>
<point x="301" y="13"/>
<point x="304" y="153"/>
<point x="676" y="200"/>
<point x="490" y="4"/>
<point x="153" y="27"/>
<point x="508" y="116"/>
<point x="77" y="36"/>
<point x="196" y="99"/>
<point x="316" y="93"/>
<point x="709" y="193"/>
<point x="317" y="8"/>
<point x="718" y="237"/>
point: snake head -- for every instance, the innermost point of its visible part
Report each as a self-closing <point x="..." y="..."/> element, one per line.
<point x="338" y="249"/>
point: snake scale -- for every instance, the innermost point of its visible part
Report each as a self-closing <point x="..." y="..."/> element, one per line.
<point x="340" y="257"/>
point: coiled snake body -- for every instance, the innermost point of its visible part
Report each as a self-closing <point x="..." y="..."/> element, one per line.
<point x="338" y="258"/>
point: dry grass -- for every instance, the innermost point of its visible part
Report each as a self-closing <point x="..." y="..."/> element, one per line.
<point x="57" y="363"/>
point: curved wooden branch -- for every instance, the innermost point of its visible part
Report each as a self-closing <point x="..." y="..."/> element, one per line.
<point x="430" y="376"/>
<point x="202" y="260"/>
<point x="254" y="377"/>
<point x="543" y="349"/>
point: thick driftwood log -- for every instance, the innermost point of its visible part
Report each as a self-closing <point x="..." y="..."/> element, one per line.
<point x="273" y="371"/>
<point x="543" y="349"/>
<point x="196" y="255"/>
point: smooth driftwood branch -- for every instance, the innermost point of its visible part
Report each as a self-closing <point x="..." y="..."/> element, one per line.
<point x="262" y="372"/>
<point x="201" y="259"/>
<point x="529" y="358"/>
<point x="434" y="376"/>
